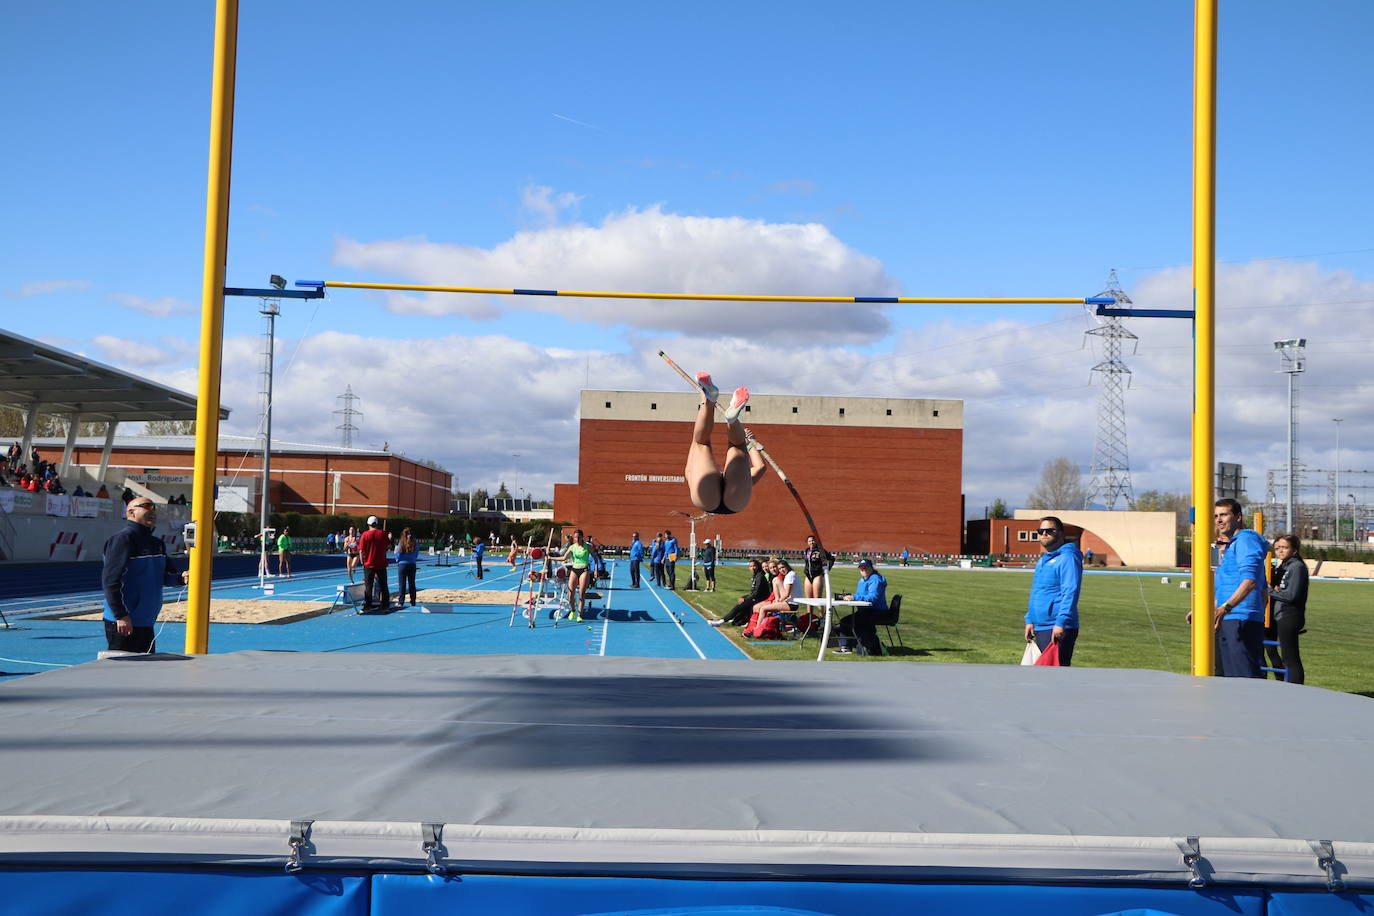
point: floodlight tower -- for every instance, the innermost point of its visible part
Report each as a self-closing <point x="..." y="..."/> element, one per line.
<point x="1293" y="361"/>
<point x="1111" y="480"/>
<point x="348" y="397"/>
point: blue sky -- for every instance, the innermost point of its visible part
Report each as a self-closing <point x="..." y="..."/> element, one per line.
<point x="995" y="148"/>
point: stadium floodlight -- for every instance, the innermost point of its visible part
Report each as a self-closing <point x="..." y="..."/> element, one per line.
<point x="278" y="281"/>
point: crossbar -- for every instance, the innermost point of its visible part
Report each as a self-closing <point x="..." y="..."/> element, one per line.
<point x="712" y="297"/>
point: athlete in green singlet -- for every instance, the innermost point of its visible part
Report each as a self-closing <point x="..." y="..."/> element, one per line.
<point x="578" y="556"/>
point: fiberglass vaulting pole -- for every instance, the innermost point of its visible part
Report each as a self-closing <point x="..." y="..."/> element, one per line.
<point x="212" y="325"/>
<point x="1204" y="326"/>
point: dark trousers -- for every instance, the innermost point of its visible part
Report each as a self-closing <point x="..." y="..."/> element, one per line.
<point x="375" y="577"/>
<point x="656" y="573"/>
<point x="1043" y="638"/>
<point x="1286" y="655"/>
<point x="140" y="640"/>
<point x="405" y="582"/>
<point x="479" y="566"/>
<point x="863" y="626"/>
<point x="1239" y="648"/>
<point x="739" y="614"/>
<point x="634" y="574"/>
<point x="670" y="568"/>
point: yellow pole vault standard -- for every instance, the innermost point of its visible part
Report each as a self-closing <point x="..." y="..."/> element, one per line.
<point x="1204" y="327"/>
<point x="212" y="325"/>
<point x="712" y="297"/>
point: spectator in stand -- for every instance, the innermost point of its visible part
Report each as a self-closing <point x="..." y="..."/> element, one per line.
<point x="407" y="559"/>
<point x="759" y="588"/>
<point x="127" y="495"/>
<point x="78" y="491"/>
<point x="863" y="623"/>
<point x="102" y="493"/>
<point x="136" y="569"/>
<point x="32" y="485"/>
<point x="15" y="452"/>
<point x="329" y="541"/>
<point x="373" y="547"/>
<point x="284" y="547"/>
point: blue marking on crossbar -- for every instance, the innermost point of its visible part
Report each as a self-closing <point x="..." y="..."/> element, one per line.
<point x="890" y="299"/>
<point x="1099" y="300"/>
<point x="1146" y="313"/>
<point x="535" y="292"/>
<point x="316" y="283"/>
<point x="275" y="293"/>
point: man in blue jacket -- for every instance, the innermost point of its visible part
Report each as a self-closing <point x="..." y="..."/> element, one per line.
<point x="1052" y="612"/>
<point x="636" y="558"/>
<point x="863" y="623"/>
<point x="656" y="555"/>
<point x="479" y="548"/>
<point x="1238" y="593"/>
<point x="136" y="569"/>
<point x="670" y="549"/>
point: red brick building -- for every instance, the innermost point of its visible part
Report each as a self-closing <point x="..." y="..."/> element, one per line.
<point x="878" y="474"/>
<point x="303" y="477"/>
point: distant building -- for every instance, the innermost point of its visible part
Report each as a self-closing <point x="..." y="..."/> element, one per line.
<point x="309" y="479"/>
<point x="878" y="474"/>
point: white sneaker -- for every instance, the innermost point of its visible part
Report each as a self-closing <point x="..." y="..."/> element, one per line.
<point x="715" y="623"/>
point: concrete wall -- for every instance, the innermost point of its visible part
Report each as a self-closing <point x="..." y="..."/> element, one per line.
<point x="1135" y="538"/>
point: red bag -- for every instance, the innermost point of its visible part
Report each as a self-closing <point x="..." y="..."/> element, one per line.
<point x="1050" y="656"/>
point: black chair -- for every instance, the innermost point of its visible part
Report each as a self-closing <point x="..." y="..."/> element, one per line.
<point x="894" y="608"/>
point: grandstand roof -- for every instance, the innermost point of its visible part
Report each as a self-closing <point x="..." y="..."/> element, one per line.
<point x="56" y="381"/>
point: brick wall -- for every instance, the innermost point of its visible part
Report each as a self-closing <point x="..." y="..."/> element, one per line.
<point x="868" y="488"/>
<point x="301" y="482"/>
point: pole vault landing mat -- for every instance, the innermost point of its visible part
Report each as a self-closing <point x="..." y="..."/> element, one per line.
<point x="577" y="785"/>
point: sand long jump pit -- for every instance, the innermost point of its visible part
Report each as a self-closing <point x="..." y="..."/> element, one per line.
<point x="283" y="611"/>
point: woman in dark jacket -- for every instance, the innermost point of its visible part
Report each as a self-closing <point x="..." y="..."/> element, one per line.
<point x="1288" y="606"/>
<point x="759" y="589"/>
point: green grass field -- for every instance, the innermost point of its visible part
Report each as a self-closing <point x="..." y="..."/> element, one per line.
<point x="1127" y="622"/>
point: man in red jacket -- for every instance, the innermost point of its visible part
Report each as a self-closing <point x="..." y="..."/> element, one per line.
<point x="372" y="550"/>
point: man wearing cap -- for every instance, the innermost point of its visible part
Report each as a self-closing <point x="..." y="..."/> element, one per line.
<point x="708" y="564"/>
<point x="136" y="569"/>
<point x="372" y="549"/>
<point x="863" y="623"/>
<point x="1052" y="612"/>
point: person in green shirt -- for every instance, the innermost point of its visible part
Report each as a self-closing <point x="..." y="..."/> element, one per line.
<point x="284" y="553"/>
<point x="578" y="557"/>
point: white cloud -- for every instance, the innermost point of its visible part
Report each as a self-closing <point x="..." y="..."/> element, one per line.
<point x="44" y="287"/>
<point x="545" y="204"/>
<point x="137" y="356"/>
<point x="652" y="251"/>
<point x="157" y="308"/>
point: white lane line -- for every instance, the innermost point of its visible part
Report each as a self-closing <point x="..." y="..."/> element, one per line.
<point x="606" y="609"/>
<point x="673" y="617"/>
